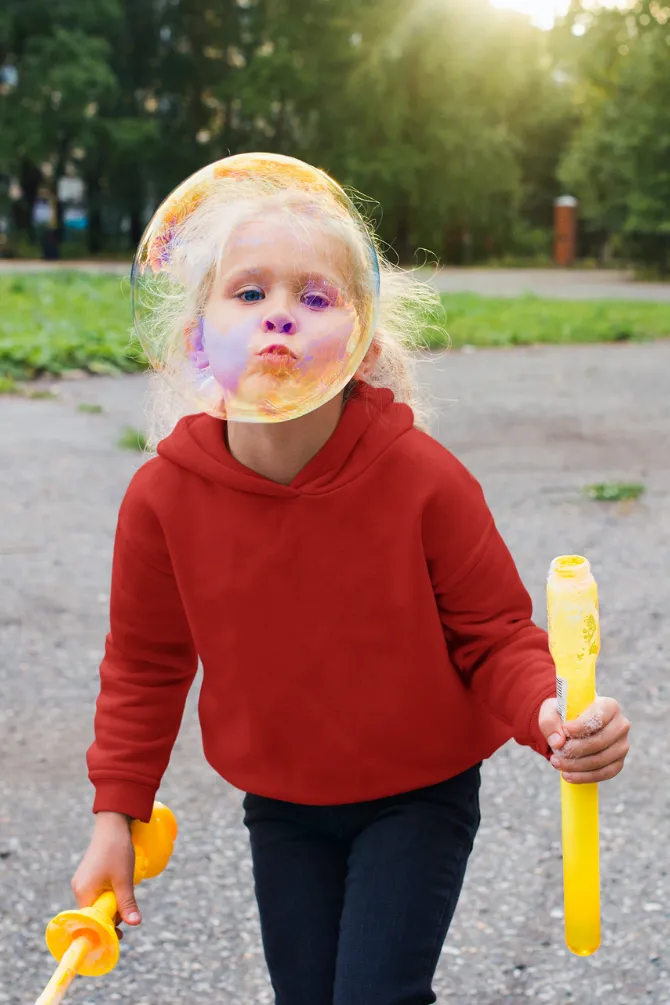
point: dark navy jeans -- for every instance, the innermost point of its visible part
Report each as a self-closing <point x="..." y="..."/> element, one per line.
<point x="356" y="900"/>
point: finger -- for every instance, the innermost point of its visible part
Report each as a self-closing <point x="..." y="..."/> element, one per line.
<point x="551" y="724"/>
<point x="588" y="777"/>
<point x="126" y="903"/>
<point x="119" y="934"/>
<point x="612" y="733"/>
<point x="85" y="894"/>
<point x="594" y="718"/>
<point x="595" y="762"/>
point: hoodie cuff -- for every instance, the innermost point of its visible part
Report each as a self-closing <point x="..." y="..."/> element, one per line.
<point x="114" y="795"/>
<point x="536" y="737"/>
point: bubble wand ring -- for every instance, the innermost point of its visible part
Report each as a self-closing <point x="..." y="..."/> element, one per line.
<point x="84" y="941"/>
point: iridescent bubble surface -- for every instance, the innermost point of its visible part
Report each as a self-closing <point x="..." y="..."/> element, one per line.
<point x="255" y="289"/>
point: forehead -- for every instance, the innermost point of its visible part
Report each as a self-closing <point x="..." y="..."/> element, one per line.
<point x="284" y="243"/>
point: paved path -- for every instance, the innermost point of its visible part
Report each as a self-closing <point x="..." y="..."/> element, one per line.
<point x="564" y="284"/>
<point x="535" y="425"/>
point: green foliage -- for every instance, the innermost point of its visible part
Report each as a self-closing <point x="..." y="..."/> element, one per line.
<point x="132" y="439"/>
<point x="427" y="158"/>
<point x="50" y="324"/>
<point x="89" y="409"/>
<point x="618" y="161"/>
<point x="614" y="491"/>
<point x="8" y="386"/>
<point x="445" y="114"/>
<point x="40" y="394"/>
<point x="488" y="321"/>
<point x="459" y="121"/>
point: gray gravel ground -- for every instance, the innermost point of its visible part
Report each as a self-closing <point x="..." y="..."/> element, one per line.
<point x="535" y="425"/>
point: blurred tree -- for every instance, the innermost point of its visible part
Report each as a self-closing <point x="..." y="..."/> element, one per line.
<point x="618" y="162"/>
<point x="452" y="117"/>
<point x="120" y="166"/>
<point x="60" y="60"/>
<point x="435" y="134"/>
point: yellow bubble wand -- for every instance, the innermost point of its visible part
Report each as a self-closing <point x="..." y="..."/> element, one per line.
<point x="574" y="641"/>
<point x="84" y="941"/>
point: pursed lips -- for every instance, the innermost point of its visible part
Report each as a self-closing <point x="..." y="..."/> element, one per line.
<point x="277" y="349"/>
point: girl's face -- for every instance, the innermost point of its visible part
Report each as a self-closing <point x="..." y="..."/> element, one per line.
<point x="278" y="324"/>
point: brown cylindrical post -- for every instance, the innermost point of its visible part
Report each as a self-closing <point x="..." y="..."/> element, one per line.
<point x="565" y="230"/>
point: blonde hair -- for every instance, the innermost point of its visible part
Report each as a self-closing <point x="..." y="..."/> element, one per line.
<point x="169" y="303"/>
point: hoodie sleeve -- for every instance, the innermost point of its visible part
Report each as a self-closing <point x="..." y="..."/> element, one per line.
<point x="148" y="666"/>
<point x="485" y="610"/>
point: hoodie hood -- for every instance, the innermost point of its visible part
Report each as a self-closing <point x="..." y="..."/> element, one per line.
<point x="371" y="422"/>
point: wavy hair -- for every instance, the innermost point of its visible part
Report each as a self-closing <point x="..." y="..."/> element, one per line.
<point x="168" y="302"/>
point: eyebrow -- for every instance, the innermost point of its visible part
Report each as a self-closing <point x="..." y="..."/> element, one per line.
<point x="251" y="273"/>
<point x="240" y="275"/>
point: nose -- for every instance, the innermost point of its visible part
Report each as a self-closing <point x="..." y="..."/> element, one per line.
<point x="279" y="319"/>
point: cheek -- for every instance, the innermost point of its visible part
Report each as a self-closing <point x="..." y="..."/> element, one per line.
<point x="228" y="348"/>
<point x="329" y="336"/>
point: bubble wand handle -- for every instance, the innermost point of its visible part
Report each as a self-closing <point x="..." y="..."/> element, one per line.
<point x="84" y="941"/>
<point x="65" y="972"/>
<point x="574" y="641"/>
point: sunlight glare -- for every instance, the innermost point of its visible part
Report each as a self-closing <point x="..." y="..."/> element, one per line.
<point x="541" y="12"/>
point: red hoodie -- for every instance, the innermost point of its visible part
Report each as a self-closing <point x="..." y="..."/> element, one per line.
<point x="363" y="631"/>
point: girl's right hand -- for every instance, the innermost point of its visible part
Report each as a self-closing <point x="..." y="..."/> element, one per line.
<point x="109" y="863"/>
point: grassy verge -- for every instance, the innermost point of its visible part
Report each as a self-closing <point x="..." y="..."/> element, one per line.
<point x="488" y="321"/>
<point x="71" y="321"/>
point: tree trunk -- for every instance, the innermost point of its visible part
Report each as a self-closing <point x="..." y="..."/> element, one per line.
<point x="30" y="179"/>
<point x="136" y="228"/>
<point x="279" y="126"/>
<point x="453" y="245"/>
<point x="402" y="236"/>
<point x="94" y="210"/>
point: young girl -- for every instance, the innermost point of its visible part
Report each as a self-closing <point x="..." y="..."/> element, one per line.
<point x="365" y="638"/>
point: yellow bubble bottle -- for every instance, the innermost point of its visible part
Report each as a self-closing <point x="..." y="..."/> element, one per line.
<point x="574" y="641"/>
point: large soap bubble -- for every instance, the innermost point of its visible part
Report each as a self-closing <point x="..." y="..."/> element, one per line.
<point x="255" y="289"/>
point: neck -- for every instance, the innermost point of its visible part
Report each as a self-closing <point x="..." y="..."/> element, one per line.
<point x="279" y="451"/>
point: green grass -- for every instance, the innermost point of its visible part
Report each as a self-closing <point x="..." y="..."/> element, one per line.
<point x="8" y="386"/>
<point x="41" y="394"/>
<point x="488" y="321"/>
<point x="132" y="439"/>
<point x="614" y="491"/>
<point x="71" y="321"/>
<point x="84" y="406"/>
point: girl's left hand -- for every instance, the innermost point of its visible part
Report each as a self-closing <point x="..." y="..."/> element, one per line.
<point x="591" y="748"/>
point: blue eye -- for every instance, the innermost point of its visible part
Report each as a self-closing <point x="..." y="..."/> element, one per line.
<point x="250" y="296"/>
